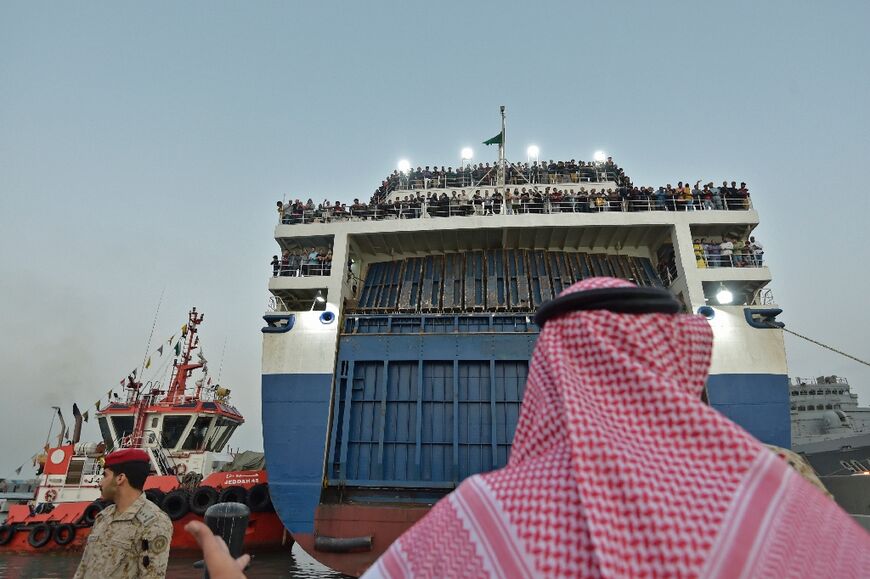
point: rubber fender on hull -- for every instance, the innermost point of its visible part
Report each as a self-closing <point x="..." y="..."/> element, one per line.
<point x="39" y="535"/>
<point x="259" y="499"/>
<point x="233" y="495"/>
<point x="156" y="496"/>
<point x="176" y="504"/>
<point x="91" y="512"/>
<point x="202" y="498"/>
<point x="64" y="534"/>
<point x="6" y="534"/>
<point x="342" y="545"/>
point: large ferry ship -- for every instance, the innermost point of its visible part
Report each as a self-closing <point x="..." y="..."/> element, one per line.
<point x="395" y="368"/>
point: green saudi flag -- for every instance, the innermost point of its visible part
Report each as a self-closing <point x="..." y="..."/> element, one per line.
<point x="496" y="140"/>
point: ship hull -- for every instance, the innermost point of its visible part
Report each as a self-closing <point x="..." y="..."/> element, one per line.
<point x="839" y="462"/>
<point x="264" y="531"/>
<point x="383" y="524"/>
<point x="387" y="384"/>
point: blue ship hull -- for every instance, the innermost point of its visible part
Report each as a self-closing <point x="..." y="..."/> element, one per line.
<point x="422" y="411"/>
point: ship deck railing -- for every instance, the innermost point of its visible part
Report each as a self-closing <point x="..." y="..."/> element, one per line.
<point x="459" y="208"/>
<point x="798" y="381"/>
<point x="714" y="260"/>
<point x="513" y="177"/>
<point x="303" y="270"/>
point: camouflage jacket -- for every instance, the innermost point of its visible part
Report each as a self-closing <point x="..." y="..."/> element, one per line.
<point x="131" y="544"/>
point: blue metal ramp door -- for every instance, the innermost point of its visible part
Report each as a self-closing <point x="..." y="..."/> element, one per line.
<point x="423" y="423"/>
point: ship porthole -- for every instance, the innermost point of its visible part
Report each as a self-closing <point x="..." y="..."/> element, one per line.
<point x="707" y="312"/>
<point x="327" y="318"/>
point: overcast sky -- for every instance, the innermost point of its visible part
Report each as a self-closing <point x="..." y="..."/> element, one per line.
<point x="143" y="146"/>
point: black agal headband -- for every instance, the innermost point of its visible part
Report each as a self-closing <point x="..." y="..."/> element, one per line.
<point x="621" y="300"/>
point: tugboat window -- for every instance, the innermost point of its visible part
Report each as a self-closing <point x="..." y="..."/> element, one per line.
<point x="196" y="438"/>
<point x="106" y="434"/>
<point x="173" y="428"/>
<point x="123" y="426"/>
<point x="223" y="430"/>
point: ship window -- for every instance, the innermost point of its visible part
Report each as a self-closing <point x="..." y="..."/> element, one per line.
<point x="154" y="422"/>
<point x="106" y="433"/>
<point x="794" y="392"/>
<point x="803" y="392"/>
<point x="827" y="391"/>
<point x="223" y="430"/>
<point x="123" y="426"/>
<point x="225" y="438"/>
<point x="792" y="406"/>
<point x="173" y="428"/>
<point x="802" y="408"/>
<point x="196" y="438"/>
<point x="829" y="407"/>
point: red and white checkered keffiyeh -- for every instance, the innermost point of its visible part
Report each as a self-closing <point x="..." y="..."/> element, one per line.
<point x="618" y="469"/>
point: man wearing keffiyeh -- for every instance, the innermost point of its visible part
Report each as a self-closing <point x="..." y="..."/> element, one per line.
<point x="618" y="469"/>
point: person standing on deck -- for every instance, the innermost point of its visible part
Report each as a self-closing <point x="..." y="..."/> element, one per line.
<point x="619" y="469"/>
<point x="130" y="538"/>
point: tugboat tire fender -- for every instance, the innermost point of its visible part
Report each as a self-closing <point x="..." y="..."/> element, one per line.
<point x="64" y="534"/>
<point x="6" y="534"/>
<point x="156" y="496"/>
<point x="233" y="494"/>
<point x="176" y="504"/>
<point x="259" y="499"/>
<point x="202" y="498"/>
<point x="40" y="534"/>
<point x="91" y="512"/>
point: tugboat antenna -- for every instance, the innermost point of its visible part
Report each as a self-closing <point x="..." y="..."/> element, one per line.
<point x="153" y="325"/>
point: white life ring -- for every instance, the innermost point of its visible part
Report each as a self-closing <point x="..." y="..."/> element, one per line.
<point x="50" y="495"/>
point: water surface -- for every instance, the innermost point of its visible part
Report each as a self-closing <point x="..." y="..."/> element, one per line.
<point x="279" y="564"/>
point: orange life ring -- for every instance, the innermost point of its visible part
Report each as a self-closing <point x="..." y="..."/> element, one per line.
<point x="50" y="495"/>
<point x="180" y="468"/>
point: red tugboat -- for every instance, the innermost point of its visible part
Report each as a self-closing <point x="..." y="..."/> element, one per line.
<point x="184" y="433"/>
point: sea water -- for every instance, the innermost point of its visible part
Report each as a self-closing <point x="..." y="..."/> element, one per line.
<point x="279" y="564"/>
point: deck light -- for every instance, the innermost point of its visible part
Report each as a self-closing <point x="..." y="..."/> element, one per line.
<point x="600" y="156"/>
<point x="319" y="297"/>
<point x="532" y="152"/>
<point x="404" y="165"/>
<point x="724" y="296"/>
<point x="467" y="154"/>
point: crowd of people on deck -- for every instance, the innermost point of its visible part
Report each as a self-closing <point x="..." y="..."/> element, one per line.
<point x="524" y="199"/>
<point x="730" y="252"/>
<point x="303" y="262"/>
<point x="537" y="172"/>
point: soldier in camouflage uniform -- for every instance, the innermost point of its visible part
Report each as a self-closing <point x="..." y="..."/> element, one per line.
<point x="131" y="537"/>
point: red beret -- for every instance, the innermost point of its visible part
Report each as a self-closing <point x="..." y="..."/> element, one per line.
<point x="126" y="455"/>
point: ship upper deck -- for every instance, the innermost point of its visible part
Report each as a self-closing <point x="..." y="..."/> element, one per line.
<point x="697" y="238"/>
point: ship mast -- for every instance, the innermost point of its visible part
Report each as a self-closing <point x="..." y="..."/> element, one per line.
<point x="500" y="173"/>
<point x="183" y="368"/>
